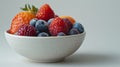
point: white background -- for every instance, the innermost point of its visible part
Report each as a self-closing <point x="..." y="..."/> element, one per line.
<point x="101" y="19"/>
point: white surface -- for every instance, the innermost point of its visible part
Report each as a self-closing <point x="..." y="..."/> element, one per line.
<point x="101" y="19"/>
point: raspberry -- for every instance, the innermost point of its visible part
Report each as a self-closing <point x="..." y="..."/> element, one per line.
<point x="68" y="23"/>
<point x="57" y="26"/>
<point x="26" y="30"/>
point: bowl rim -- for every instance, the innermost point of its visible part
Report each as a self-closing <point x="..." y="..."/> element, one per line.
<point x="12" y="35"/>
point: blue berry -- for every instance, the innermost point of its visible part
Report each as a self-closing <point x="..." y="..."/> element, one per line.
<point x="43" y="34"/>
<point x="37" y="32"/>
<point x="79" y="27"/>
<point x="33" y="22"/>
<point x="61" y="34"/>
<point x="50" y="20"/>
<point x="74" y="31"/>
<point x="41" y="26"/>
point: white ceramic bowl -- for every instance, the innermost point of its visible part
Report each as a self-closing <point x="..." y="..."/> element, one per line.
<point x="45" y="49"/>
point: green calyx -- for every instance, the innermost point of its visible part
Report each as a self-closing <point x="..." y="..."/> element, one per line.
<point x="29" y="8"/>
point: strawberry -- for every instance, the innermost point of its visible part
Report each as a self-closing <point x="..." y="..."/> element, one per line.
<point x="23" y="17"/>
<point x="57" y="26"/>
<point x="45" y="13"/>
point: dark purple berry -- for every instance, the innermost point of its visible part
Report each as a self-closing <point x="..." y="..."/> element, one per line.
<point x="74" y="31"/>
<point x="68" y="23"/>
<point x="27" y="30"/>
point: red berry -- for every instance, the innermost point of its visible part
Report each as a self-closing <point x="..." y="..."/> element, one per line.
<point x="68" y="23"/>
<point x="45" y="12"/>
<point x="26" y="30"/>
<point x="57" y="26"/>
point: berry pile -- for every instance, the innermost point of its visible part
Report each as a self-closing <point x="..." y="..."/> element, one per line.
<point x="43" y="22"/>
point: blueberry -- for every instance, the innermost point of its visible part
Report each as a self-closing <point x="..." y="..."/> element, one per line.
<point x="79" y="27"/>
<point x="74" y="31"/>
<point x="50" y="20"/>
<point x="33" y="22"/>
<point x="37" y="32"/>
<point x="61" y="34"/>
<point x="43" y="34"/>
<point x="41" y="26"/>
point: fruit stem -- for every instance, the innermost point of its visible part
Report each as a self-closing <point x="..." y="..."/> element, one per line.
<point x="29" y="8"/>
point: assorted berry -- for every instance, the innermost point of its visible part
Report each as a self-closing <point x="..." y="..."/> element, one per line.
<point x="57" y="26"/>
<point x="23" y="17"/>
<point x="61" y="34"/>
<point x="50" y="20"/>
<point x="26" y="30"/>
<point x="79" y="27"/>
<point x="33" y="22"/>
<point x="74" y="31"/>
<point x="69" y="18"/>
<point x="41" y="26"/>
<point x="43" y="34"/>
<point x="69" y="23"/>
<point x="45" y="12"/>
<point x="43" y="22"/>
